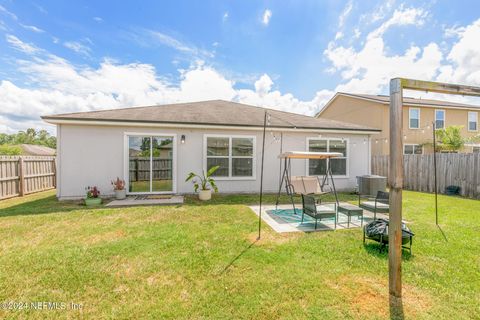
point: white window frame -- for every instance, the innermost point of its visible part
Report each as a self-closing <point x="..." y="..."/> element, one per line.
<point x="413" y="145"/>
<point x="347" y="142"/>
<point x="126" y="166"/>
<point x="476" y="120"/>
<point x="444" y="118"/>
<point x="230" y="157"/>
<point x="410" y="117"/>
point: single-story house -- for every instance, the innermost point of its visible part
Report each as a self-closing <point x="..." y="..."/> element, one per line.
<point x="154" y="148"/>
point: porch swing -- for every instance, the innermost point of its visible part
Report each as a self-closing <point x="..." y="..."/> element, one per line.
<point x="306" y="185"/>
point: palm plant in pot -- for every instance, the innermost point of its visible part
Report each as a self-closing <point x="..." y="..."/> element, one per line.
<point x="204" y="182"/>
<point x="93" y="196"/>
<point x="119" y="189"/>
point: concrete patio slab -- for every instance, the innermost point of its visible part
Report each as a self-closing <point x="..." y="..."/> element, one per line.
<point x="281" y="225"/>
<point x="145" y="201"/>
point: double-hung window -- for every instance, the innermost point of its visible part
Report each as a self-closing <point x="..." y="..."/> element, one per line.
<point x="337" y="165"/>
<point x="235" y="156"/>
<point x="414" y="118"/>
<point x="439" y="119"/>
<point x="412" y="149"/>
<point x="472" y="121"/>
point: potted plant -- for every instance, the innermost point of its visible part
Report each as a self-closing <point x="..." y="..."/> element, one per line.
<point x="119" y="189"/>
<point x="93" y="196"/>
<point x="204" y="181"/>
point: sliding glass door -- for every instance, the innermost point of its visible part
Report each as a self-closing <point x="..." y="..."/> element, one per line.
<point x="150" y="162"/>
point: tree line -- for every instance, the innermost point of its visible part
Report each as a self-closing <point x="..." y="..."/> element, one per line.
<point x="9" y="142"/>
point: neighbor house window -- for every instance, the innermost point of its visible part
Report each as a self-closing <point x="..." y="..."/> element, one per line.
<point x="472" y="121"/>
<point x="414" y="118"/>
<point x="234" y="155"/>
<point x="337" y="165"/>
<point x="439" y="119"/>
<point x="412" y="149"/>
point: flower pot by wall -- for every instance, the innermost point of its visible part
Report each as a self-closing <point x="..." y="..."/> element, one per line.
<point x="120" y="194"/>
<point x="93" y="201"/>
<point x="205" y="195"/>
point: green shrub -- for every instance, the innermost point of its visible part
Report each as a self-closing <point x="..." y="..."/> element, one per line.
<point x="9" y="150"/>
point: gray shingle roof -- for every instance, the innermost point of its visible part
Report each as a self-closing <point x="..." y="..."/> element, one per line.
<point x="37" y="150"/>
<point x="214" y="112"/>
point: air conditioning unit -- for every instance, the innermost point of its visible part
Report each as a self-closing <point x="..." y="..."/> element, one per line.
<point x="371" y="184"/>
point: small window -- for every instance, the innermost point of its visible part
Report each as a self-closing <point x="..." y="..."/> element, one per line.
<point x="412" y="149"/>
<point x="414" y="118"/>
<point x="439" y="119"/>
<point x="472" y="121"/>
<point x="476" y="149"/>
<point x="337" y="165"/>
<point x="234" y="155"/>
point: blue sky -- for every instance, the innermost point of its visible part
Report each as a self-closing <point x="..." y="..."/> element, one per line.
<point x="64" y="56"/>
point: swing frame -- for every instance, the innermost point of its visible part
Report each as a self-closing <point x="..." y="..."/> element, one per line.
<point x="286" y="175"/>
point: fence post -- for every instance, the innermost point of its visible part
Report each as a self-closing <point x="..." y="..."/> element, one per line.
<point x="21" y="176"/>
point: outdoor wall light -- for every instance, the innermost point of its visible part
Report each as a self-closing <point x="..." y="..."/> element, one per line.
<point x="182" y="139"/>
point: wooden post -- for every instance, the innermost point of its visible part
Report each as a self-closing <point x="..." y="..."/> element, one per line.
<point x="54" y="169"/>
<point x="21" y="176"/>
<point x="395" y="177"/>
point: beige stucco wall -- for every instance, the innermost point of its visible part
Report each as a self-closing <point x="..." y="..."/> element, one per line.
<point x="94" y="155"/>
<point x="376" y="115"/>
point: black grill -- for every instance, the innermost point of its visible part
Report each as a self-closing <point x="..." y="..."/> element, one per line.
<point x="377" y="230"/>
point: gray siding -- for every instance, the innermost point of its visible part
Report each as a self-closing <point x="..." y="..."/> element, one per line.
<point x="94" y="155"/>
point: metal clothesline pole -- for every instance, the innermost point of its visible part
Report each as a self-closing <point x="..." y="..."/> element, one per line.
<point x="261" y="177"/>
<point x="435" y="172"/>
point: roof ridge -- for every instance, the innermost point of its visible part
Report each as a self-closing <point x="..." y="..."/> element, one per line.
<point x="425" y="101"/>
<point x="139" y="107"/>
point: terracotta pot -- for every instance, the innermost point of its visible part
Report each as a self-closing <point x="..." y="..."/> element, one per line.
<point x="93" y="201"/>
<point x="120" y="194"/>
<point x="205" y="195"/>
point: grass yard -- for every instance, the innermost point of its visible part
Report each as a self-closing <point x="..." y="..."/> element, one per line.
<point x="200" y="260"/>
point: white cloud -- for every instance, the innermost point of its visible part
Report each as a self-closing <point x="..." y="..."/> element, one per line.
<point x="32" y="28"/>
<point x="401" y="17"/>
<point x="267" y="15"/>
<point x="98" y="19"/>
<point x="3" y="26"/>
<point x="63" y="87"/>
<point x="464" y="57"/>
<point x="345" y="13"/>
<point x="8" y="13"/>
<point x="78" y="47"/>
<point x="225" y="16"/>
<point x="370" y="68"/>
<point x="357" y="33"/>
<point x="378" y="13"/>
<point x="263" y="85"/>
<point x="20" y="45"/>
<point x="148" y="38"/>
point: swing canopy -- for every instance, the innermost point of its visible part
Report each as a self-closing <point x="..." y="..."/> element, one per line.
<point x="309" y="155"/>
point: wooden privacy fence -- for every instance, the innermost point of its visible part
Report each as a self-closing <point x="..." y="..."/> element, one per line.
<point x="140" y="168"/>
<point x="21" y="175"/>
<point x="457" y="169"/>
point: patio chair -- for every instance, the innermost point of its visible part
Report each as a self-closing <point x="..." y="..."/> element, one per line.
<point x="378" y="204"/>
<point x="317" y="212"/>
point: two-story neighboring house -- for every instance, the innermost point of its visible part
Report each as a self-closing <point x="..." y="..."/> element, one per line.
<point x="418" y="117"/>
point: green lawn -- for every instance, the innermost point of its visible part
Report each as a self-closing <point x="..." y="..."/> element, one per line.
<point x="157" y="185"/>
<point x="201" y="261"/>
